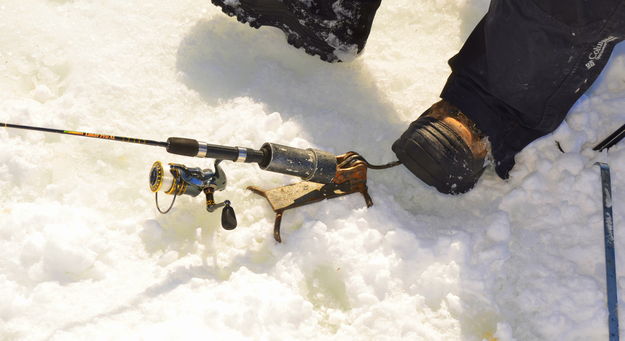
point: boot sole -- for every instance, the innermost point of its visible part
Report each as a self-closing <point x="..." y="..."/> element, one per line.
<point x="432" y="155"/>
<point x="257" y="13"/>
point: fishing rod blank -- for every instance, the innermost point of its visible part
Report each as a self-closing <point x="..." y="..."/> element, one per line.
<point x="83" y="134"/>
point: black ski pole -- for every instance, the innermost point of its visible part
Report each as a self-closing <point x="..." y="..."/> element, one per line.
<point x="611" y="140"/>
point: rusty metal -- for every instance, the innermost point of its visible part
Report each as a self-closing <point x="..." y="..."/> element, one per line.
<point x="351" y="177"/>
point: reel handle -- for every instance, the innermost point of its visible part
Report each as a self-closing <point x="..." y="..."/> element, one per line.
<point x="228" y="216"/>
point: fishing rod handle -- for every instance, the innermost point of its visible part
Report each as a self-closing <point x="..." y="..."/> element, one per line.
<point x="308" y="164"/>
<point x="195" y="148"/>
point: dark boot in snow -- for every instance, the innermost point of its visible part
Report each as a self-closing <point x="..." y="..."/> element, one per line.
<point x="444" y="149"/>
<point x="335" y="30"/>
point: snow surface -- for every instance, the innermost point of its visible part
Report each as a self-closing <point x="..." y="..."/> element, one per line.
<point x="85" y="255"/>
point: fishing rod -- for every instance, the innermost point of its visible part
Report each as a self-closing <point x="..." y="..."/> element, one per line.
<point x="324" y="174"/>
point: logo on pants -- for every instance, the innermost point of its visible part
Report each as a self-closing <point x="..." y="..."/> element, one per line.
<point x="598" y="50"/>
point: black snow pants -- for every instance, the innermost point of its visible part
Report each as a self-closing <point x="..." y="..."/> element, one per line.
<point x="526" y="64"/>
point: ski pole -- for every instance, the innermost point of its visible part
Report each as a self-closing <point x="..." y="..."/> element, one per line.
<point x="610" y="263"/>
<point x="608" y="233"/>
<point x="611" y="140"/>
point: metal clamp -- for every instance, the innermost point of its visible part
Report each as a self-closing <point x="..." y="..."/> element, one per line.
<point x="351" y="177"/>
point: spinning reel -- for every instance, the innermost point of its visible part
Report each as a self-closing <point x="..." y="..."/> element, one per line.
<point x="183" y="180"/>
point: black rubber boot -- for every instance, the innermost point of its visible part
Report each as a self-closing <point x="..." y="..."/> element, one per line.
<point x="434" y="149"/>
<point x="335" y="30"/>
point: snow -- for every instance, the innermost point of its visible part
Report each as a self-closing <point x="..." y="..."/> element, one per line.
<point x="85" y="255"/>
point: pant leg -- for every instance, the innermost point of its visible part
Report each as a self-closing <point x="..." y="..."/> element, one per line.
<point x="524" y="66"/>
<point x="578" y="12"/>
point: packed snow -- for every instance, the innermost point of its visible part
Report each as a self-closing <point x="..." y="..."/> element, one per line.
<point x="85" y="255"/>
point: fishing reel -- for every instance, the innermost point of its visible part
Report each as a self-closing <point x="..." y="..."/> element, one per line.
<point x="183" y="180"/>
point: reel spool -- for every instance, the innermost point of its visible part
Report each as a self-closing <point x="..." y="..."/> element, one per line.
<point x="169" y="182"/>
<point x="182" y="180"/>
